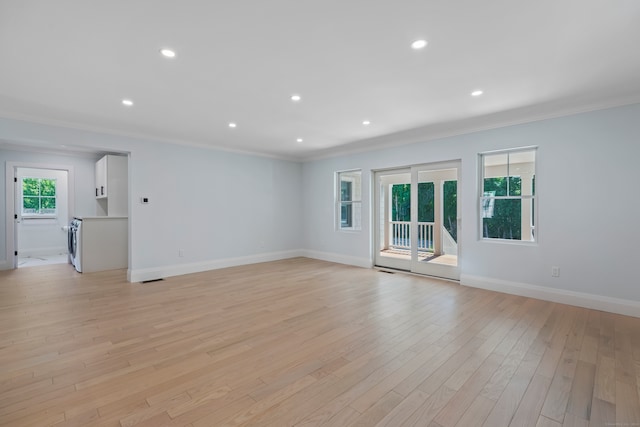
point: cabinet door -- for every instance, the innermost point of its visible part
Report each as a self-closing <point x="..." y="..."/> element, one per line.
<point x="101" y="178"/>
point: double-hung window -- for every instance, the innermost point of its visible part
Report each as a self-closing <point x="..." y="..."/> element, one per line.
<point x="507" y="195"/>
<point x="349" y="200"/>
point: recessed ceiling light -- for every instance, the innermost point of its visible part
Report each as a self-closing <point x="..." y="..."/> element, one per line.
<point x="299" y="140"/>
<point x="366" y="122"/>
<point x="476" y="93"/>
<point x="127" y="102"/>
<point x="296" y="98"/>
<point x="168" y="53"/>
<point x="232" y="125"/>
<point x="419" y="44"/>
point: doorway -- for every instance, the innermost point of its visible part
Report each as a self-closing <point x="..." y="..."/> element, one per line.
<point x="418" y="219"/>
<point x="40" y="199"/>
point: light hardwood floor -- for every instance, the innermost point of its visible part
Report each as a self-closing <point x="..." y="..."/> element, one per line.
<point x="304" y="342"/>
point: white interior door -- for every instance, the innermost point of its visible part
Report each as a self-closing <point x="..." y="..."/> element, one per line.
<point x="418" y="219"/>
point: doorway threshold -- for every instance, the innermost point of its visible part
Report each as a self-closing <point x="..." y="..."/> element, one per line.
<point x="389" y="270"/>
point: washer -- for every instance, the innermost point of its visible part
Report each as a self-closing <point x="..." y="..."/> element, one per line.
<point x="75" y="242"/>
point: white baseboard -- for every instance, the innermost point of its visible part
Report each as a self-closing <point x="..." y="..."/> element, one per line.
<point x="143" y="274"/>
<point x="597" y="302"/>
<point x="5" y="265"/>
<point x="338" y="258"/>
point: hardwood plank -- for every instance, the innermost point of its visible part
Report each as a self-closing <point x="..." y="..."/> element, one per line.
<point x="345" y="417"/>
<point x="456" y="407"/>
<point x="627" y="404"/>
<point x="546" y="422"/>
<point x="506" y="406"/>
<point x="582" y="390"/>
<point x="377" y="412"/>
<point x="532" y="401"/>
<point x="430" y="408"/>
<point x="477" y="412"/>
<point x="605" y="380"/>
<point x="404" y="409"/>
<point x="575" y="421"/>
<point x="603" y="413"/>
<point x="557" y="399"/>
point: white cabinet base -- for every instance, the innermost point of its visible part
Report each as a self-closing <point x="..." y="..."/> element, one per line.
<point x="104" y="243"/>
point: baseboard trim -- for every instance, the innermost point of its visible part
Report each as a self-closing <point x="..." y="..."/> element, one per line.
<point x="144" y="274"/>
<point x="5" y="265"/>
<point x="580" y="299"/>
<point x="338" y="258"/>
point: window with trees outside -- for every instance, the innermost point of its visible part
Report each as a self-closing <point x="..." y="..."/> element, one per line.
<point x="349" y="200"/>
<point x="507" y="195"/>
<point x="39" y="197"/>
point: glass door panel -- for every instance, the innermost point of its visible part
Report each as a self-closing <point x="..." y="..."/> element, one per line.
<point x="437" y="221"/>
<point x="393" y="218"/>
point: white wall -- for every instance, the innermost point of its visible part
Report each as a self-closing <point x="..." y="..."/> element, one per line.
<point x="44" y="236"/>
<point x="588" y="209"/>
<point x="224" y="208"/>
<point x="219" y="208"/>
<point x="83" y="167"/>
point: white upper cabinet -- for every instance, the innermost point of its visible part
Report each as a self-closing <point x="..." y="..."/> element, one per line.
<point x="112" y="185"/>
<point x="101" y="178"/>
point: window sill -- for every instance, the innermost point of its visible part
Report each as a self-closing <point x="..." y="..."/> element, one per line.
<point x="510" y="242"/>
<point x="30" y="217"/>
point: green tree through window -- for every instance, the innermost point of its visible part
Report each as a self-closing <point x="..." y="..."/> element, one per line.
<point x="401" y="204"/>
<point x="38" y="196"/>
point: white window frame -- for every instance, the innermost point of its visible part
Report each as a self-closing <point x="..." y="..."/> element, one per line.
<point x="483" y="198"/>
<point x="356" y="210"/>
<point x="31" y="215"/>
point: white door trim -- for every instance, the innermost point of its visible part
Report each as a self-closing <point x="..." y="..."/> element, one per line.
<point x="10" y="174"/>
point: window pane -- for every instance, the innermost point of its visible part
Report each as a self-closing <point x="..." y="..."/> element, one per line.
<point x="450" y="208"/>
<point x="30" y="187"/>
<point x="533" y="185"/>
<point x="401" y="202"/>
<point x="345" y="191"/>
<point x="346" y="215"/>
<point x="426" y="202"/>
<point x="48" y="203"/>
<point x="495" y="165"/>
<point x="515" y="186"/>
<point x="496" y="186"/>
<point x="30" y="204"/>
<point x="350" y="185"/>
<point x="48" y="187"/>
<point x="522" y="164"/>
<point x="505" y="221"/>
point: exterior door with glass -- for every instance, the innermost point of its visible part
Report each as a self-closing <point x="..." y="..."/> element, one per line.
<point x="417" y="219"/>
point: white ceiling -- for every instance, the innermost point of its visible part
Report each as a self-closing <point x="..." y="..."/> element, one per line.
<point x="72" y="62"/>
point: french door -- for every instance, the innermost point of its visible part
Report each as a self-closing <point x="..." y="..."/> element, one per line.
<point x="417" y="217"/>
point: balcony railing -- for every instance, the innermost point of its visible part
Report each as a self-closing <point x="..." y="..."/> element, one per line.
<point x="401" y="235"/>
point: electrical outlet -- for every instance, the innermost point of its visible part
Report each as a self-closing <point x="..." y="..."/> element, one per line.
<point x="181" y="253"/>
<point x="555" y="271"/>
